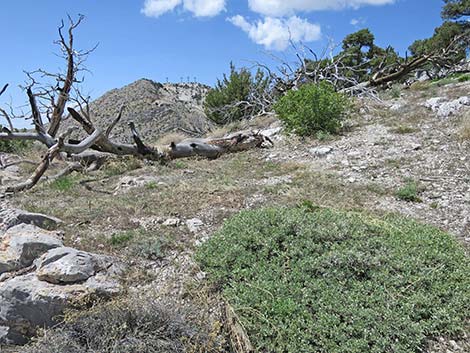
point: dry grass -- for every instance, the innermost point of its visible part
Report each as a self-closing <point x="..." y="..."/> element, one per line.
<point x="140" y="323"/>
<point x="96" y="213"/>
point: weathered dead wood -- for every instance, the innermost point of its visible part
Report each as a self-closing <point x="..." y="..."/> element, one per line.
<point x="209" y="148"/>
<point x="69" y="169"/>
<point x="52" y="153"/>
<point x="239" y="340"/>
<point x="401" y="72"/>
<point x="213" y="148"/>
<point x="69" y="79"/>
<point x="11" y="164"/>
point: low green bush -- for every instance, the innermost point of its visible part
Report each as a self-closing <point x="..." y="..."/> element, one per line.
<point x="312" y="108"/>
<point x="309" y="279"/>
<point x="121" y="239"/>
<point x="409" y="192"/>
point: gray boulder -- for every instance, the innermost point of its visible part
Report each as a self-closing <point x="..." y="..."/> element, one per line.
<point x="10" y="217"/>
<point x="63" y="275"/>
<point x="22" y="244"/>
<point x="68" y="265"/>
<point x="40" y="278"/>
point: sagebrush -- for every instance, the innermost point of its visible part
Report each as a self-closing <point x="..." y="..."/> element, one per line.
<point x="309" y="279"/>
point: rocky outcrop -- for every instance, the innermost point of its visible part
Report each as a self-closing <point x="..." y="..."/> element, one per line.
<point x="10" y="217"/>
<point x="40" y="278"/>
<point x="444" y="108"/>
<point x="156" y="109"/>
<point x="22" y="244"/>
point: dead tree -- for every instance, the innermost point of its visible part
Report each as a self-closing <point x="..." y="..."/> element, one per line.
<point x="313" y="68"/>
<point x="50" y="101"/>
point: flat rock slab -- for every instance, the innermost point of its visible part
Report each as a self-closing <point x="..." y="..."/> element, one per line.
<point x="28" y="303"/>
<point x="20" y="245"/>
<point x="11" y="217"/>
<point x="67" y="265"/>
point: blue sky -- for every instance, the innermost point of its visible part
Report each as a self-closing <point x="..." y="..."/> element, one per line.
<point x="195" y="38"/>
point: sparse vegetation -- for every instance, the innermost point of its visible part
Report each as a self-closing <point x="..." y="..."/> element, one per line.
<point x="403" y="129"/>
<point x="140" y="323"/>
<point x="317" y="280"/>
<point x="121" y="165"/>
<point x="395" y="91"/>
<point x="409" y="192"/>
<point x="312" y="108"/>
<point x="151" y="185"/>
<point x="64" y="183"/>
<point x="121" y="239"/>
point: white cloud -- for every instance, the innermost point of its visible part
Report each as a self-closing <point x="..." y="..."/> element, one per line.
<point x="156" y="8"/>
<point x="199" y="8"/>
<point x="290" y="7"/>
<point x="357" y="22"/>
<point x="204" y="8"/>
<point x="275" y="33"/>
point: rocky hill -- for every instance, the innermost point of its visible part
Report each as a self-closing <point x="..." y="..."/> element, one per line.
<point x="155" y="108"/>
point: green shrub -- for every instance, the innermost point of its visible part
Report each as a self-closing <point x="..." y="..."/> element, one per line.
<point x="409" y="192"/>
<point x="237" y="96"/>
<point x="316" y="280"/>
<point x="395" y="91"/>
<point x="121" y="239"/>
<point x="63" y="184"/>
<point x="312" y="108"/>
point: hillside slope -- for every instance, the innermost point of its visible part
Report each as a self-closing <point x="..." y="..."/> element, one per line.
<point x="155" y="108"/>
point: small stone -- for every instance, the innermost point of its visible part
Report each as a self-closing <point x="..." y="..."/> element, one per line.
<point x="200" y="276"/>
<point x="415" y="146"/>
<point x="66" y="265"/>
<point x="172" y="222"/>
<point x="194" y="224"/>
<point x="454" y="345"/>
<point x="320" y="151"/>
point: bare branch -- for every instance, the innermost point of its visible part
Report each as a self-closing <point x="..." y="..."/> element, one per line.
<point x="37" y="119"/>
<point x="116" y="120"/>
<point x="8" y="119"/>
<point x="3" y="89"/>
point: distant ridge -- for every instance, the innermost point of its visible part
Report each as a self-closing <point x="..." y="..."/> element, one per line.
<point x="155" y="108"/>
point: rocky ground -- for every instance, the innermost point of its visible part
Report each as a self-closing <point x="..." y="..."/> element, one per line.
<point x="152" y="217"/>
<point x="413" y="137"/>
